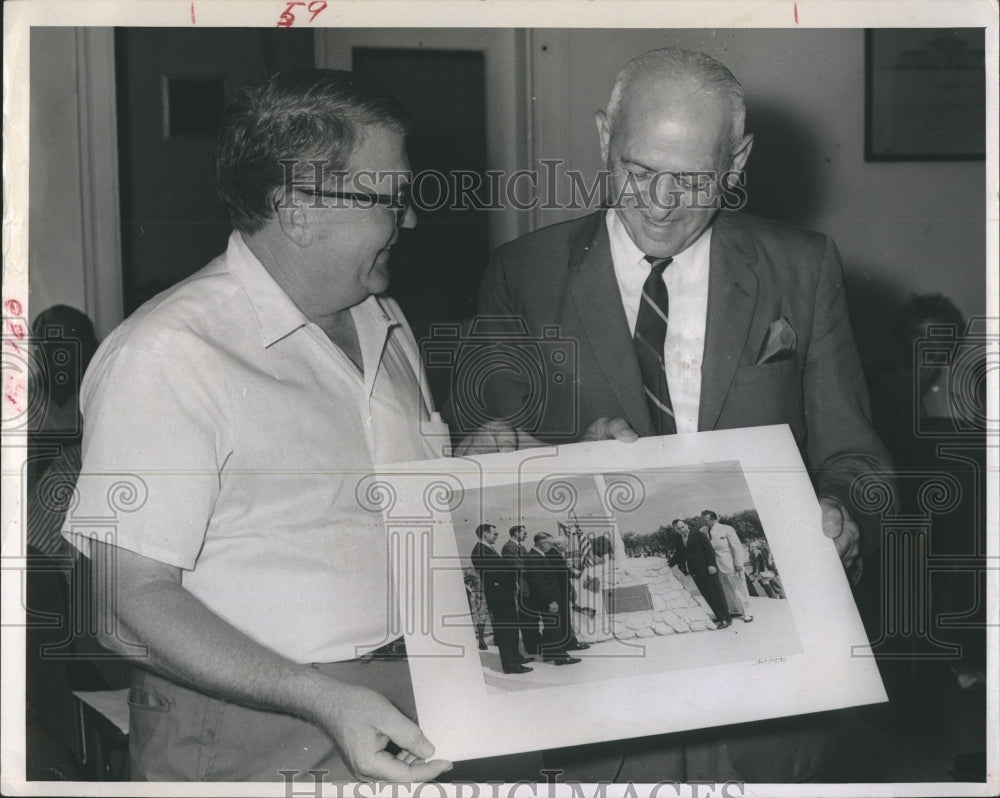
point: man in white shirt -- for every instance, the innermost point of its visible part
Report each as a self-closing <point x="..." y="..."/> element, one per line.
<point x="228" y="422"/>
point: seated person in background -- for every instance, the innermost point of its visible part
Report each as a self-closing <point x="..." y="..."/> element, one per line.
<point x="929" y="407"/>
<point x="918" y="384"/>
<point x="764" y="574"/>
<point x="63" y="343"/>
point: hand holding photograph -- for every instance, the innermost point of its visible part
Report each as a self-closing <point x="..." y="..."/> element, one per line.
<point x="686" y="573"/>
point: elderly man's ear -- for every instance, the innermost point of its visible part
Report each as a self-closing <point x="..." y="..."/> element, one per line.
<point x="742" y="152"/>
<point x="295" y="223"/>
<point x="603" y="133"/>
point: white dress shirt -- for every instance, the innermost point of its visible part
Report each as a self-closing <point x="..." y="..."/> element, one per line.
<point x="687" y="283"/>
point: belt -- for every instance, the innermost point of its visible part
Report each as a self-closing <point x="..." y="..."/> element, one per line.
<point x="395" y="649"/>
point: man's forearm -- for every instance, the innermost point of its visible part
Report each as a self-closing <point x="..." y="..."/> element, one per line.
<point x="190" y="644"/>
<point x="147" y="604"/>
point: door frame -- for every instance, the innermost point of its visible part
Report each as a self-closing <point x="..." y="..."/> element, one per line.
<point x="508" y="124"/>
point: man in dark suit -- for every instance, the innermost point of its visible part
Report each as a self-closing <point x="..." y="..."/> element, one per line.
<point x="567" y="579"/>
<point x="756" y="333"/>
<point x="758" y="329"/>
<point x="515" y="551"/>
<point x="703" y="569"/>
<point x="499" y="580"/>
<point x="549" y="584"/>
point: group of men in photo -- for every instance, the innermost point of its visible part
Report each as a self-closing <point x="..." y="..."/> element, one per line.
<point x="528" y="593"/>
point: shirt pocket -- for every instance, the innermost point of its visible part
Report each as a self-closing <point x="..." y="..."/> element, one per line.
<point x="142" y="698"/>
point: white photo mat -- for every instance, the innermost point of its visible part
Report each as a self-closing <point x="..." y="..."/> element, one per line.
<point x="820" y="661"/>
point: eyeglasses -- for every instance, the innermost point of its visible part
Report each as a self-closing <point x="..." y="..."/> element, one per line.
<point x="399" y="203"/>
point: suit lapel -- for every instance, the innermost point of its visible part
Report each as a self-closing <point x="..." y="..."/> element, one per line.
<point x="602" y="317"/>
<point x="732" y="298"/>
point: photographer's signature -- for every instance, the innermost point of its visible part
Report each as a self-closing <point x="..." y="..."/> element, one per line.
<point x="769" y="660"/>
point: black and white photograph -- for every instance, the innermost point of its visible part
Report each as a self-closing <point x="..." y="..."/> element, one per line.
<point x="498" y="392"/>
<point x="631" y="566"/>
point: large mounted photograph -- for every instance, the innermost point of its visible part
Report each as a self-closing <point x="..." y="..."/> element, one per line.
<point x="686" y="571"/>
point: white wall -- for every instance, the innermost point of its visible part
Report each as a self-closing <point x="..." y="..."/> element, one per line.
<point x="55" y="244"/>
<point x="901" y="227"/>
<point x="74" y="238"/>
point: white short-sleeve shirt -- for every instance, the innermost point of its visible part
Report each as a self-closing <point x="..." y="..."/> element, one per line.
<point x="238" y="436"/>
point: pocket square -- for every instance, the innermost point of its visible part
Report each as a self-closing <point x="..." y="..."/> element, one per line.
<point x="779" y="343"/>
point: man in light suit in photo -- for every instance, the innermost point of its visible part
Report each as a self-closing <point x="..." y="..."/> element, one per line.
<point x="689" y="317"/>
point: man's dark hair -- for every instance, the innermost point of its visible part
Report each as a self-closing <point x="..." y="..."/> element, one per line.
<point x="540" y="536"/>
<point x="912" y="318"/>
<point x="65" y="342"/>
<point x="710" y="514"/>
<point x="299" y="115"/>
<point x="482" y="529"/>
<point x="514" y="530"/>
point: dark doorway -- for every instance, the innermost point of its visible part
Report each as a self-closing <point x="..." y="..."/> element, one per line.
<point x="172" y="85"/>
<point x="436" y="267"/>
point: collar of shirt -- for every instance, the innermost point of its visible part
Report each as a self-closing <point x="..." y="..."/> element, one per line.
<point x="687" y="284"/>
<point x="275" y="313"/>
<point x="277" y="316"/>
<point x="687" y="273"/>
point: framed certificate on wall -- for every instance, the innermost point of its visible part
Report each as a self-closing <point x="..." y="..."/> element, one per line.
<point x="925" y="94"/>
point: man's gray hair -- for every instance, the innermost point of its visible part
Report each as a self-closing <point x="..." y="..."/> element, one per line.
<point x="711" y="77"/>
<point x="299" y="117"/>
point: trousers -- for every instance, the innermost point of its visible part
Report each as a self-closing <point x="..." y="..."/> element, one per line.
<point x="180" y="734"/>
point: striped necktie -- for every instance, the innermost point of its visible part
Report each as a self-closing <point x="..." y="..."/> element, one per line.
<point x="650" y="334"/>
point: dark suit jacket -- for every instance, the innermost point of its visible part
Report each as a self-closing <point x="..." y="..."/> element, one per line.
<point x="498" y="576"/>
<point x="516" y="552"/>
<point x="513" y="550"/>
<point x="700" y="554"/>
<point x="760" y="270"/>
<point x="546" y="580"/>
